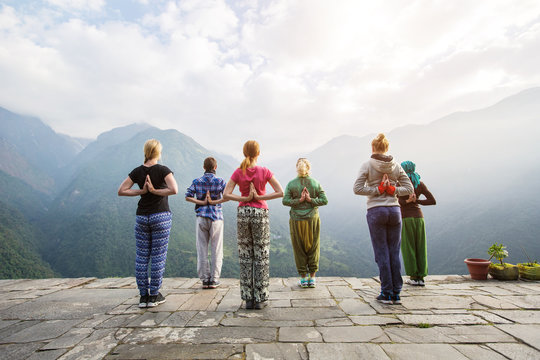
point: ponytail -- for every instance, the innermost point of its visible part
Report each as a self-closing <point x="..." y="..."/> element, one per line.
<point x="251" y="152"/>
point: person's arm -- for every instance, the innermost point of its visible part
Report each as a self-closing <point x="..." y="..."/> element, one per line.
<point x="196" y="201"/>
<point x="429" y="200"/>
<point x="125" y="188"/>
<point x="278" y="191"/>
<point x="219" y="201"/>
<point x="171" y="189"/>
<point x="320" y="198"/>
<point x="404" y="200"/>
<point x="404" y="185"/>
<point x="215" y="202"/>
<point x="288" y="199"/>
<point x="228" y="193"/>
<point x="191" y="195"/>
<point x="360" y="187"/>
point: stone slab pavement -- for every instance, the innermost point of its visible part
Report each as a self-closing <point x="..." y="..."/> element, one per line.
<point x="452" y="317"/>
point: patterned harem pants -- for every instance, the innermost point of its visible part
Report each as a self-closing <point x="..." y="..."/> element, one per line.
<point x="152" y="235"/>
<point x="254" y="252"/>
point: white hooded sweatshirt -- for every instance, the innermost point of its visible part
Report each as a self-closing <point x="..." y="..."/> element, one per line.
<point x="370" y="177"/>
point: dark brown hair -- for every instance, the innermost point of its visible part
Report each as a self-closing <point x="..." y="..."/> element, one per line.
<point x="209" y="164"/>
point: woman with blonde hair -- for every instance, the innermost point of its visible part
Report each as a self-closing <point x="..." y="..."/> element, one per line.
<point x="153" y="220"/>
<point x="253" y="226"/>
<point x="382" y="180"/>
<point x="304" y="195"/>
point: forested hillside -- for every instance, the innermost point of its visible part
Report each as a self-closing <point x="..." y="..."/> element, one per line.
<point x="61" y="214"/>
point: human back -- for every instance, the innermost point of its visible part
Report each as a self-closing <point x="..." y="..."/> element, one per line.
<point x="379" y="165"/>
<point x="150" y="203"/>
<point x="259" y="176"/>
<point x="249" y="175"/>
<point x="304" y="210"/>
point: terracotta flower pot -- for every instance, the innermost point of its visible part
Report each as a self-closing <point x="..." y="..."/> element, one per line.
<point x="478" y="268"/>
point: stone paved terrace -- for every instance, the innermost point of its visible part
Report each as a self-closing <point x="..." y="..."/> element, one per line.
<point x="453" y="317"/>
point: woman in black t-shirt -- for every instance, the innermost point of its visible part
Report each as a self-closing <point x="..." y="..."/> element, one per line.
<point x="153" y="222"/>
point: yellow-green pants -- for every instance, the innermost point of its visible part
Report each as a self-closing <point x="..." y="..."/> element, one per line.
<point x="305" y="239"/>
<point x="413" y="247"/>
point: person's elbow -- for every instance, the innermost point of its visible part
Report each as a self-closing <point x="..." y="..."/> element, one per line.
<point x="173" y="189"/>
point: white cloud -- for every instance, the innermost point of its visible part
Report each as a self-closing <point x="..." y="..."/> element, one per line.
<point x="268" y="70"/>
<point x="8" y="18"/>
<point x="211" y="19"/>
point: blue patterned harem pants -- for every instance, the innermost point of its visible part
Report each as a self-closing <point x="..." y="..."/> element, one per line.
<point x="152" y="235"/>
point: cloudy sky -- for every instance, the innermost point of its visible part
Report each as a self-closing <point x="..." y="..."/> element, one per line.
<point x="291" y="74"/>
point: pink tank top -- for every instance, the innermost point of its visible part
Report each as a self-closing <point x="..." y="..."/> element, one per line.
<point x="257" y="175"/>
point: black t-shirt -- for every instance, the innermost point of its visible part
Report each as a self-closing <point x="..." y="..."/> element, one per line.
<point x="151" y="203"/>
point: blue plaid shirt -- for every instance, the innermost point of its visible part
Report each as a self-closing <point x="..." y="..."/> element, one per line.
<point x="198" y="190"/>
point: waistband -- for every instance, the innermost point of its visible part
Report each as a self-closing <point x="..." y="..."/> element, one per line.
<point x="251" y="211"/>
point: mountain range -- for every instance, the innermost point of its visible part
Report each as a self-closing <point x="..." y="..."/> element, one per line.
<point x="61" y="215"/>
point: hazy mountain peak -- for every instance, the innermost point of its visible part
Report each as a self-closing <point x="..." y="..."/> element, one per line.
<point x="123" y="133"/>
<point x="38" y="144"/>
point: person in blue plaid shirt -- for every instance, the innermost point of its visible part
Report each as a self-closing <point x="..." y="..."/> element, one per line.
<point x="206" y="193"/>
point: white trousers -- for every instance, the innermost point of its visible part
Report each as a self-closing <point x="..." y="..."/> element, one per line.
<point x="209" y="235"/>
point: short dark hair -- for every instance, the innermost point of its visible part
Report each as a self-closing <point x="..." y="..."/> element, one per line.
<point x="209" y="164"/>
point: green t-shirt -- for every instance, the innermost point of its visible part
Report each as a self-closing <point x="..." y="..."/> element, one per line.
<point x="304" y="210"/>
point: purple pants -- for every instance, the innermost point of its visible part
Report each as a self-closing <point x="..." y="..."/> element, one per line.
<point x="385" y="229"/>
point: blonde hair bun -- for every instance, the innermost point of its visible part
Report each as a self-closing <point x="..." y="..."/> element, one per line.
<point x="380" y="143"/>
<point x="303" y="167"/>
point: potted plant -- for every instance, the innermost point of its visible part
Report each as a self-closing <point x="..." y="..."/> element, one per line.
<point x="529" y="270"/>
<point x="478" y="268"/>
<point x="502" y="271"/>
